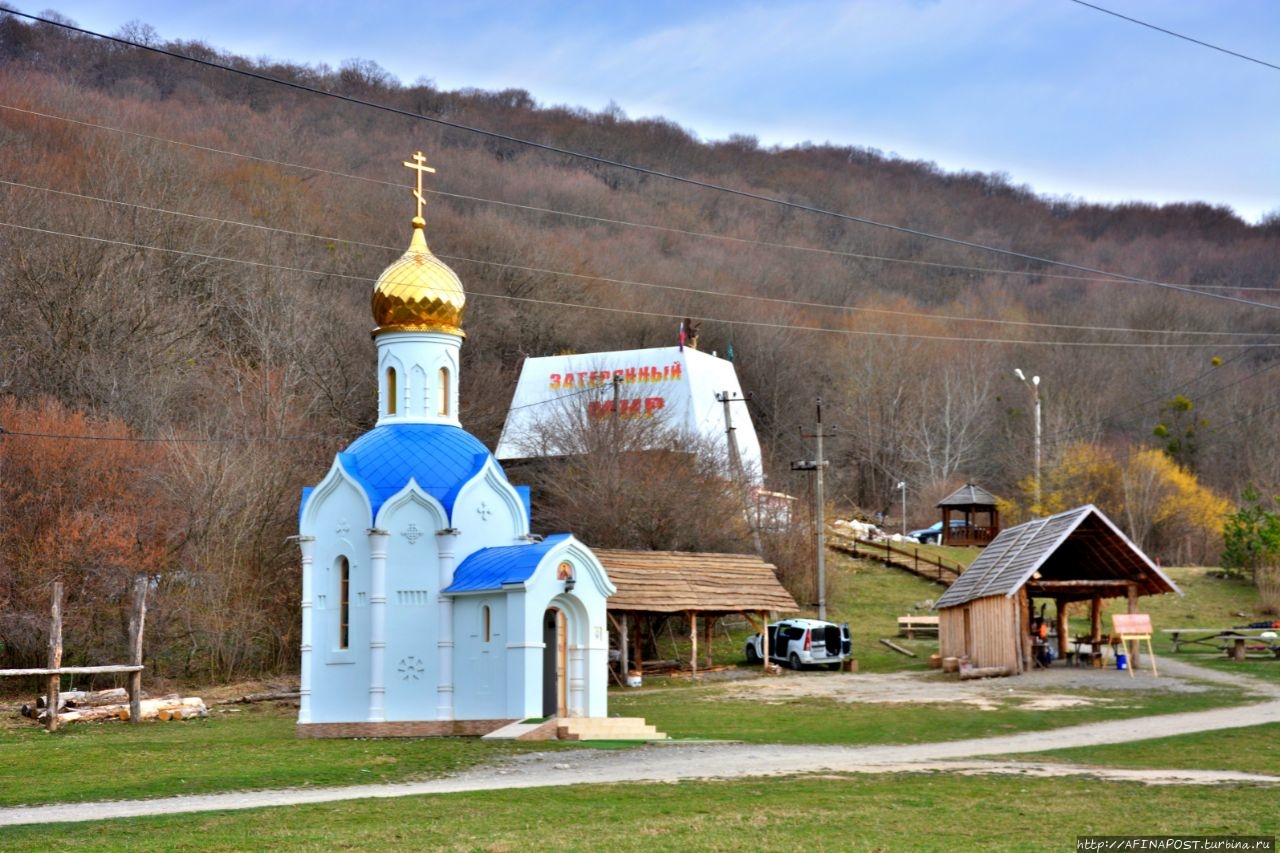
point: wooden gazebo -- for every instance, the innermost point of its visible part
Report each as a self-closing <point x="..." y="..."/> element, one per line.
<point x="1077" y="555"/>
<point x="977" y="508"/>
<point x="703" y="587"/>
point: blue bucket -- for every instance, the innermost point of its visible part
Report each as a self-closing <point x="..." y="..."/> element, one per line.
<point x="1122" y="662"/>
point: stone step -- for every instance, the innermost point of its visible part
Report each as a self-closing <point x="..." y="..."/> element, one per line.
<point x="606" y="728"/>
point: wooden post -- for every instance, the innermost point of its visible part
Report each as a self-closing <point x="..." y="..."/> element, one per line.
<point x="137" y="619"/>
<point x="764" y="640"/>
<point x="693" y="638"/>
<point x="55" y="654"/>
<point x="1135" y="647"/>
<point x="708" y="626"/>
<point x="1024" y="631"/>
<point x="1062" y="628"/>
<point x="624" y="659"/>
<point x="1095" y="629"/>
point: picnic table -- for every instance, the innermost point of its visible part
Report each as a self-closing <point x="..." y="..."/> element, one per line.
<point x="1236" y="642"/>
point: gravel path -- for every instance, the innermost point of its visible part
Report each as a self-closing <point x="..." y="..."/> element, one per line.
<point x="672" y="762"/>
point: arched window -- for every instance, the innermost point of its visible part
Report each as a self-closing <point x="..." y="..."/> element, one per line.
<point x="391" y="391"/>
<point x="485" y="623"/>
<point x="344" y="605"/>
<point x="443" y="391"/>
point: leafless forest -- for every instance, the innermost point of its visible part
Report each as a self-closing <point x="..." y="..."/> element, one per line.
<point x="186" y="256"/>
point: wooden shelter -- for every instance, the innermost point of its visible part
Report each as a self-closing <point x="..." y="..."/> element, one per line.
<point x="702" y="587"/>
<point x="977" y="507"/>
<point x="1078" y="555"/>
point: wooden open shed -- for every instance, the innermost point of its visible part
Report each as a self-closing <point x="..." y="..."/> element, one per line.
<point x="1078" y="555"/>
<point x="702" y="587"/>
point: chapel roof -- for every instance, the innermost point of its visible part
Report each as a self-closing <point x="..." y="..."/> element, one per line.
<point x="493" y="568"/>
<point x="440" y="457"/>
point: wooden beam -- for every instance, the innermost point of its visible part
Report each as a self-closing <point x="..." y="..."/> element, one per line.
<point x="70" y="670"/>
<point x="1078" y="584"/>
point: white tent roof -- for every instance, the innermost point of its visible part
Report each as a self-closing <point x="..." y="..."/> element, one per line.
<point x="678" y="384"/>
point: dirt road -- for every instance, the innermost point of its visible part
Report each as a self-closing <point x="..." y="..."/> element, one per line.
<point x="672" y="762"/>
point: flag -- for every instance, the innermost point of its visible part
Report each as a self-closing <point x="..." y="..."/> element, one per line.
<point x="682" y="336"/>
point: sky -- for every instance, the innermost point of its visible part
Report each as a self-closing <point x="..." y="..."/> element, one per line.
<point x="1067" y="100"/>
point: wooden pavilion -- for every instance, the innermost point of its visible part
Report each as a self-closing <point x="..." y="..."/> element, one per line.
<point x="1078" y="555"/>
<point x="702" y="587"/>
<point x="978" y="509"/>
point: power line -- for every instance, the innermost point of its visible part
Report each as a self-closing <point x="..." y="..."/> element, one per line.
<point x="676" y="316"/>
<point x="616" y="281"/>
<point x="1158" y="29"/>
<point x="553" y="149"/>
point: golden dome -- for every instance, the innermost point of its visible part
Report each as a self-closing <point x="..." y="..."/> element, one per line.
<point x="418" y="292"/>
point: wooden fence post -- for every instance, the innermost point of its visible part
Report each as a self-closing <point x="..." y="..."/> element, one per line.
<point x="55" y="654"/>
<point x="137" y="619"/>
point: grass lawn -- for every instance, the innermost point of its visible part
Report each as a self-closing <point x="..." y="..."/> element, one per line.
<point x="1248" y="750"/>
<point x="705" y="712"/>
<point x="254" y="747"/>
<point x="918" y="811"/>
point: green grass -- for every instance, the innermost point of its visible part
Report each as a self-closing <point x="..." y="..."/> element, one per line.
<point x="246" y="748"/>
<point x="1246" y="750"/>
<point x="707" y="713"/>
<point x="253" y="748"/>
<point x="918" y="812"/>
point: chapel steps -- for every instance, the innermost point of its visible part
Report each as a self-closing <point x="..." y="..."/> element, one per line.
<point x="606" y="728"/>
<point x="579" y="729"/>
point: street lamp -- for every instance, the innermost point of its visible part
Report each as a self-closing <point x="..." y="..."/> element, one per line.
<point x="1034" y="385"/>
<point x="902" y="487"/>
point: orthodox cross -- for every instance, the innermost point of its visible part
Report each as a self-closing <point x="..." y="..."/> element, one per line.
<point x="419" y="165"/>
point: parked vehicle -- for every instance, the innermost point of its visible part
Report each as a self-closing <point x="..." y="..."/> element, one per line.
<point x="933" y="533"/>
<point x="803" y="642"/>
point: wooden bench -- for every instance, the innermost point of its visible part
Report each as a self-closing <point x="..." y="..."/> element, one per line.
<point x="909" y="626"/>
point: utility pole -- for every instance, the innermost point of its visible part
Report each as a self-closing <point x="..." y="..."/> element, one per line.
<point x="735" y="468"/>
<point x="820" y="537"/>
<point x="1034" y="385"/>
<point x="902" y="487"/>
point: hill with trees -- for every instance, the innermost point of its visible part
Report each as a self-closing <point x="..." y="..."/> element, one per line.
<point x="187" y="253"/>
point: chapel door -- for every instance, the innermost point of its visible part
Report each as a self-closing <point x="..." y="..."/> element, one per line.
<point x="555" y="664"/>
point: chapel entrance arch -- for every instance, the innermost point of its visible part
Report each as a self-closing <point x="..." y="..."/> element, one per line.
<point x="555" y="664"/>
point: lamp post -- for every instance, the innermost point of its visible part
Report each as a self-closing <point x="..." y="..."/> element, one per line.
<point x="902" y="487"/>
<point x="1034" y="385"/>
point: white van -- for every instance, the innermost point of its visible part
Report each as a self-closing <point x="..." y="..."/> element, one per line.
<point x="803" y="642"/>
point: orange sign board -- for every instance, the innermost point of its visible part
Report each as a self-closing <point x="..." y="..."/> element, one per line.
<point x="1131" y="624"/>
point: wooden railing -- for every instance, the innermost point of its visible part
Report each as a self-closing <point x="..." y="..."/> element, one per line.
<point x="926" y="565"/>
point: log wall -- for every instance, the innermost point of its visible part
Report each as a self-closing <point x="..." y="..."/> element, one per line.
<point x="994" y="633"/>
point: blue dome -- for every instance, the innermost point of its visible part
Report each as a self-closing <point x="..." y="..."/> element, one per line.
<point x="440" y="457"/>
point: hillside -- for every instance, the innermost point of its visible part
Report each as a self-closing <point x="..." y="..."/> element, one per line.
<point x="186" y="254"/>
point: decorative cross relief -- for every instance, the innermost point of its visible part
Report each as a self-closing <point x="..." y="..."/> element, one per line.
<point x="343" y="527"/>
<point x="411" y="668"/>
<point x="412" y="533"/>
<point x="483" y="511"/>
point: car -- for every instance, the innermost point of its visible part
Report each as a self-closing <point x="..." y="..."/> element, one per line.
<point x="803" y="642"/>
<point x="931" y="534"/>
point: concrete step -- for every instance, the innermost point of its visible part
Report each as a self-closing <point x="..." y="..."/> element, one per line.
<point x="606" y="728"/>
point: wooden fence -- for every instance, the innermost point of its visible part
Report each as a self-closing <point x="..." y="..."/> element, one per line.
<point x="55" y="670"/>
<point x="926" y="565"/>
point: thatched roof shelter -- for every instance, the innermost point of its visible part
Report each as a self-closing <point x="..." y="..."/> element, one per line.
<point x="655" y="583"/>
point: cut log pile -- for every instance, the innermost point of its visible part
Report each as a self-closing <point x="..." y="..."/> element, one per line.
<point x="99" y="705"/>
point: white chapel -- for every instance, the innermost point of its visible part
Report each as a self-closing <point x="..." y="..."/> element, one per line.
<point x="427" y="607"/>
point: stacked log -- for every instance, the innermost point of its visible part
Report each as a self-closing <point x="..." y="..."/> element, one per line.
<point x="168" y="708"/>
<point x="77" y="700"/>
